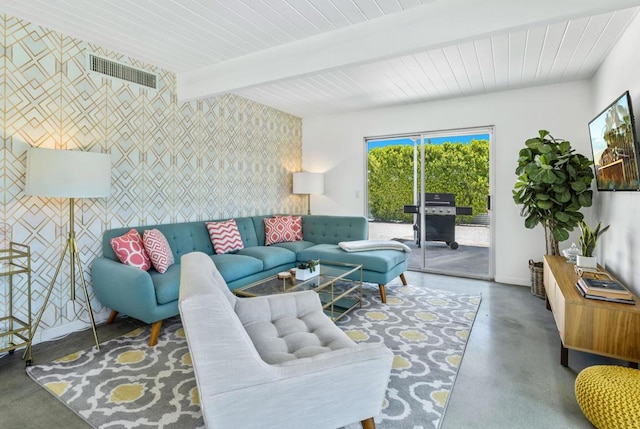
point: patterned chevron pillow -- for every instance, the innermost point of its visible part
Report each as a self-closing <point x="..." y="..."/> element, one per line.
<point x="130" y="250"/>
<point x="158" y="249"/>
<point x="280" y="229"/>
<point x="225" y="236"/>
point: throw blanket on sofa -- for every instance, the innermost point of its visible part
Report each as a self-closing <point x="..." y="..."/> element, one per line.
<point x="363" y="245"/>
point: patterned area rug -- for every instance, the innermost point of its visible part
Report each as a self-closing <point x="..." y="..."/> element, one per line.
<point x="130" y="385"/>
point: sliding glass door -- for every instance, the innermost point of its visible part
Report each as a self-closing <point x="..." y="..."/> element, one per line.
<point x="431" y="192"/>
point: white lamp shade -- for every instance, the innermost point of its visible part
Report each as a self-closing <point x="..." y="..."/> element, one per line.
<point x="67" y="173"/>
<point x="308" y="183"/>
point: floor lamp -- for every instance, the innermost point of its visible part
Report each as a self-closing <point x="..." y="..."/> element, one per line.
<point x="68" y="174"/>
<point x="308" y="183"/>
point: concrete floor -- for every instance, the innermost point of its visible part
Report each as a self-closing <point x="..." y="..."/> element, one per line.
<point x="510" y="376"/>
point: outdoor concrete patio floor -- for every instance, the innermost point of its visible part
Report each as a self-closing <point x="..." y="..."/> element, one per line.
<point x="471" y="259"/>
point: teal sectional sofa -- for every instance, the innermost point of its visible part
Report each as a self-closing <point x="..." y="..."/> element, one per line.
<point x="152" y="297"/>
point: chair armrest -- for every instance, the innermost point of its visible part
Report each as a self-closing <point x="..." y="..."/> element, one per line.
<point x="377" y="355"/>
<point x="123" y="288"/>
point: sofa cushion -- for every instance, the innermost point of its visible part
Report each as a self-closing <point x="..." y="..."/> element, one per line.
<point x="187" y="237"/>
<point x="247" y="229"/>
<point x="233" y="266"/>
<point x="158" y="249"/>
<point x="167" y="284"/>
<point x="323" y="229"/>
<point x="280" y="229"/>
<point x="372" y="260"/>
<point x="258" y="227"/>
<point x="130" y="250"/>
<point x="271" y="257"/>
<point x="225" y="236"/>
<point x="295" y="246"/>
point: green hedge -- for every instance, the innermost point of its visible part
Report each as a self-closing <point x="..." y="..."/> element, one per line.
<point x="460" y="169"/>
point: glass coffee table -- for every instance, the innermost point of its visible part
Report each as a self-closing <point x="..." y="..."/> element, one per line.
<point x="338" y="294"/>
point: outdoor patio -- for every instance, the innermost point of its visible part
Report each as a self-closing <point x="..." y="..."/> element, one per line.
<point x="471" y="259"/>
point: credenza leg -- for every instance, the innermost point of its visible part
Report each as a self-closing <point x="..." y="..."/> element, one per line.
<point x="548" y="304"/>
<point x="564" y="355"/>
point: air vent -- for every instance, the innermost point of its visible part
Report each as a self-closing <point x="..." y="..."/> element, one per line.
<point x="120" y="71"/>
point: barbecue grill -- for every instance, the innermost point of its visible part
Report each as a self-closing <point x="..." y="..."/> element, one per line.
<point x="440" y="218"/>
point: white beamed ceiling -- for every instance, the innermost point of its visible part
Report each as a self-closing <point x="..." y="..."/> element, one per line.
<point x="314" y="57"/>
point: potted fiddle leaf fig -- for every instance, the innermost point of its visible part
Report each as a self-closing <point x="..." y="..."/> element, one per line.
<point x="554" y="183"/>
<point x="587" y="242"/>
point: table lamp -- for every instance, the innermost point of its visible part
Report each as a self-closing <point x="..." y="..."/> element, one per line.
<point x="68" y="174"/>
<point x="308" y="183"/>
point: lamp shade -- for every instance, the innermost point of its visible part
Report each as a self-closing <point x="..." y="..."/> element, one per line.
<point x="308" y="183"/>
<point x="67" y="173"/>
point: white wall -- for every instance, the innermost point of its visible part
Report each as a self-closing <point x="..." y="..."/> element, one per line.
<point x="617" y="248"/>
<point x="334" y="144"/>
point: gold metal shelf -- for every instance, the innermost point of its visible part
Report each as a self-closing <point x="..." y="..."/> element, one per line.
<point x="15" y="333"/>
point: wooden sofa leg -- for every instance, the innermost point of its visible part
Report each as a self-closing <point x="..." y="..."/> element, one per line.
<point x="403" y="279"/>
<point x="369" y="423"/>
<point x="383" y="293"/>
<point x="155" y="332"/>
<point x="112" y="317"/>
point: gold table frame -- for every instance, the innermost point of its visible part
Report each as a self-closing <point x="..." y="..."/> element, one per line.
<point x="338" y="294"/>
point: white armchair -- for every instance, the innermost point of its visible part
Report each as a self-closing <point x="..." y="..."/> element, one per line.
<point x="275" y="361"/>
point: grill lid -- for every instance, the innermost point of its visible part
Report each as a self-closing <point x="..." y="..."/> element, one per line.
<point x="437" y="199"/>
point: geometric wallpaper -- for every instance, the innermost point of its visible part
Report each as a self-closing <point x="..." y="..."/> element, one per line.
<point x="171" y="161"/>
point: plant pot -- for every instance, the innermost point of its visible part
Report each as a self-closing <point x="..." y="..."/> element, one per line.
<point x="587" y="261"/>
<point x="306" y="274"/>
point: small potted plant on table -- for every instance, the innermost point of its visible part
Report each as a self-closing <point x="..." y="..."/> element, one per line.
<point x="588" y="241"/>
<point x="308" y="269"/>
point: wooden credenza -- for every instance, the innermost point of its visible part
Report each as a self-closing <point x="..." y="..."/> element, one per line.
<point x="599" y="327"/>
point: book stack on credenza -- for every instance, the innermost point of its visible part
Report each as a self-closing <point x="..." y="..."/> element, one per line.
<point x="599" y="285"/>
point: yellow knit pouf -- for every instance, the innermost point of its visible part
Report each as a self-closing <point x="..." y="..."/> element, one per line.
<point x="609" y="396"/>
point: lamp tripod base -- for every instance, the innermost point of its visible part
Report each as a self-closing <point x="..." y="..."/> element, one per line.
<point x="72" y="246"/>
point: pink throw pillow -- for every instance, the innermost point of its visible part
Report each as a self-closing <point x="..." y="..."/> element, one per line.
<point x="130" y="250"/>
<point x="158" y="249"/>
<point x="282" y="229"/>
<point x="225" y="236"/>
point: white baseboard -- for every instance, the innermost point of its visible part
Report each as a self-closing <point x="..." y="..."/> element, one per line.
<point x="518" y="281"/>
<point x="56" y="332"/>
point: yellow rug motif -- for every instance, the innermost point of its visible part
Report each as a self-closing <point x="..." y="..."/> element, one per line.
<point x="130" y="357"/>
<point x="195" y="396"/>
<point x="376" y="315"/>
<point x="69" y="358"/>
<point x="357" y="336"/>
<point x="441" y="397"/>
<point x="400" y="362"/>
<point x="427" y="316"/>
<point x="413" y="335"/>
<point x="58" y="388"/>
<point x="126" y="393"/>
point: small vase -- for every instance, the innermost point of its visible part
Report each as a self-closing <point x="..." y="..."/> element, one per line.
<point x="586" y="261"/>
